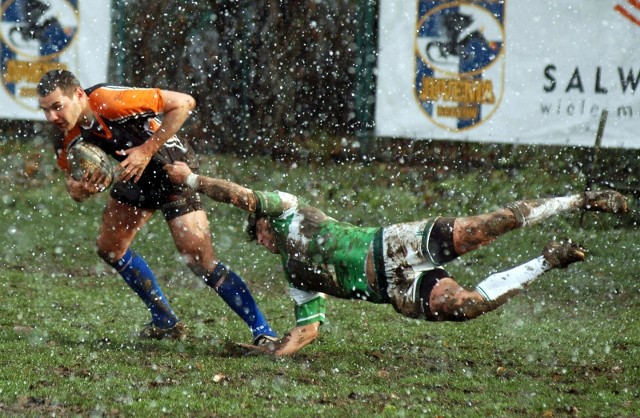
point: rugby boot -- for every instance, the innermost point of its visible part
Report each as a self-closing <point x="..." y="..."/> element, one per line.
<point x="177" y="332"/>
<point x="264" y="340"/>
<point x="559" y="254"/>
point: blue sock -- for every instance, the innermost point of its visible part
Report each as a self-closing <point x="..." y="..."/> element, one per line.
<point x="135" y="271"/>
<point x="235" y="293"/>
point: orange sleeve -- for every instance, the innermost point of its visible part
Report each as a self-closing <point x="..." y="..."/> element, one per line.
<point x="116" y="103"/>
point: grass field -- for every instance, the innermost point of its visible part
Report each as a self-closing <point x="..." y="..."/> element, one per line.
<point x="568" y="346"/>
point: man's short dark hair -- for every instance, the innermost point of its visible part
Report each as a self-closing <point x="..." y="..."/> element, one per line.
<point x="63" y="79"/>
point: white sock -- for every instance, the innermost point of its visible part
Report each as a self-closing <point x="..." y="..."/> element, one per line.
<point x="549" y="207"/>
<point x="498" y="284"/>
<point x="552" y="207"/>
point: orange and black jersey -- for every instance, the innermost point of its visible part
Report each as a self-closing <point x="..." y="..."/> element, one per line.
<point x="124" y="118"/>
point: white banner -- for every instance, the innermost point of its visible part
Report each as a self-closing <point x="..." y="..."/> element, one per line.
<point x="40" y="35"/>
<point x="510" y="71"/>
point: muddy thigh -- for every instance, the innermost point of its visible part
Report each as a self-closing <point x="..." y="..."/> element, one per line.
<point x="473" y="232"/>
<point x="451" y="302"/>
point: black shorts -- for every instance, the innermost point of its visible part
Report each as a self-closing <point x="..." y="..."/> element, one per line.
<point x="155" y="191"/>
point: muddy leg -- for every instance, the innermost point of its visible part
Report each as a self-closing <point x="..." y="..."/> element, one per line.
<point x="451" y="302"/>
<point x="448" y="301"/>
<point x="473" y="232"/>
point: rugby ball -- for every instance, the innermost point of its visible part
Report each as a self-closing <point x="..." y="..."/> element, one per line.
<point x="84" y="156"/>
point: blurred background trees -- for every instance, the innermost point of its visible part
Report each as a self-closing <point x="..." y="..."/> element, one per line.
<point x="267" y="74"/>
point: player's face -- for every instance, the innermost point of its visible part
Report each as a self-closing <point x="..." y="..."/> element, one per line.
<point x="61" y="110"/>
<point x="265" y="235"/>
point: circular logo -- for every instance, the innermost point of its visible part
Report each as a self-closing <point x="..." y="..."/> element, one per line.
<point x="37" y="29"/>
<point x="34" y="35"/>
<point x="459" y="38"/>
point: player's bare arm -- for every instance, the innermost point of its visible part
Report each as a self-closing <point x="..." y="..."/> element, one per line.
<point x="178" y="172"/>
<point x="292" y="342"/>
<point x="177" y="108"/>
<point x="296" y="339"/>
<point x="219" y="190"/>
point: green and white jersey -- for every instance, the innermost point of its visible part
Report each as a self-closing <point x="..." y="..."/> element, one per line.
<point x="318" y="253"/>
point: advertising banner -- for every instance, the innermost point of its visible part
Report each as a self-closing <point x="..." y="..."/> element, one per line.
<point x="509" y="71"/>
<point x="40" y="35"/>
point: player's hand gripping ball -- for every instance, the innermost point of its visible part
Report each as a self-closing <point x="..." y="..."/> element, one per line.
<point x="85" y="156"/>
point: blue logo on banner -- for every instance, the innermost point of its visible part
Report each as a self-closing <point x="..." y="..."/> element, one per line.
<point x="34" y="33"/>
<point x="459" y="52"/>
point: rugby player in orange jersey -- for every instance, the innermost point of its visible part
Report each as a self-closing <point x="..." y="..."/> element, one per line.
<point x="137" y="126"/>
<point x="398" y="264"/>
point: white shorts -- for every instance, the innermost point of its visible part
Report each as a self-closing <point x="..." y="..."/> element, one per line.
<point x="405" y="257"/>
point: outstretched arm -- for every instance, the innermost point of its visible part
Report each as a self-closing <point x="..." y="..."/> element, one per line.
<point x="219" y="190"/>
<point x="292" y="342"/>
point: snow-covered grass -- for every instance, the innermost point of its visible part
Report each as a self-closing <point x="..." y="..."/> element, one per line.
<point x="568" y="346"/>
